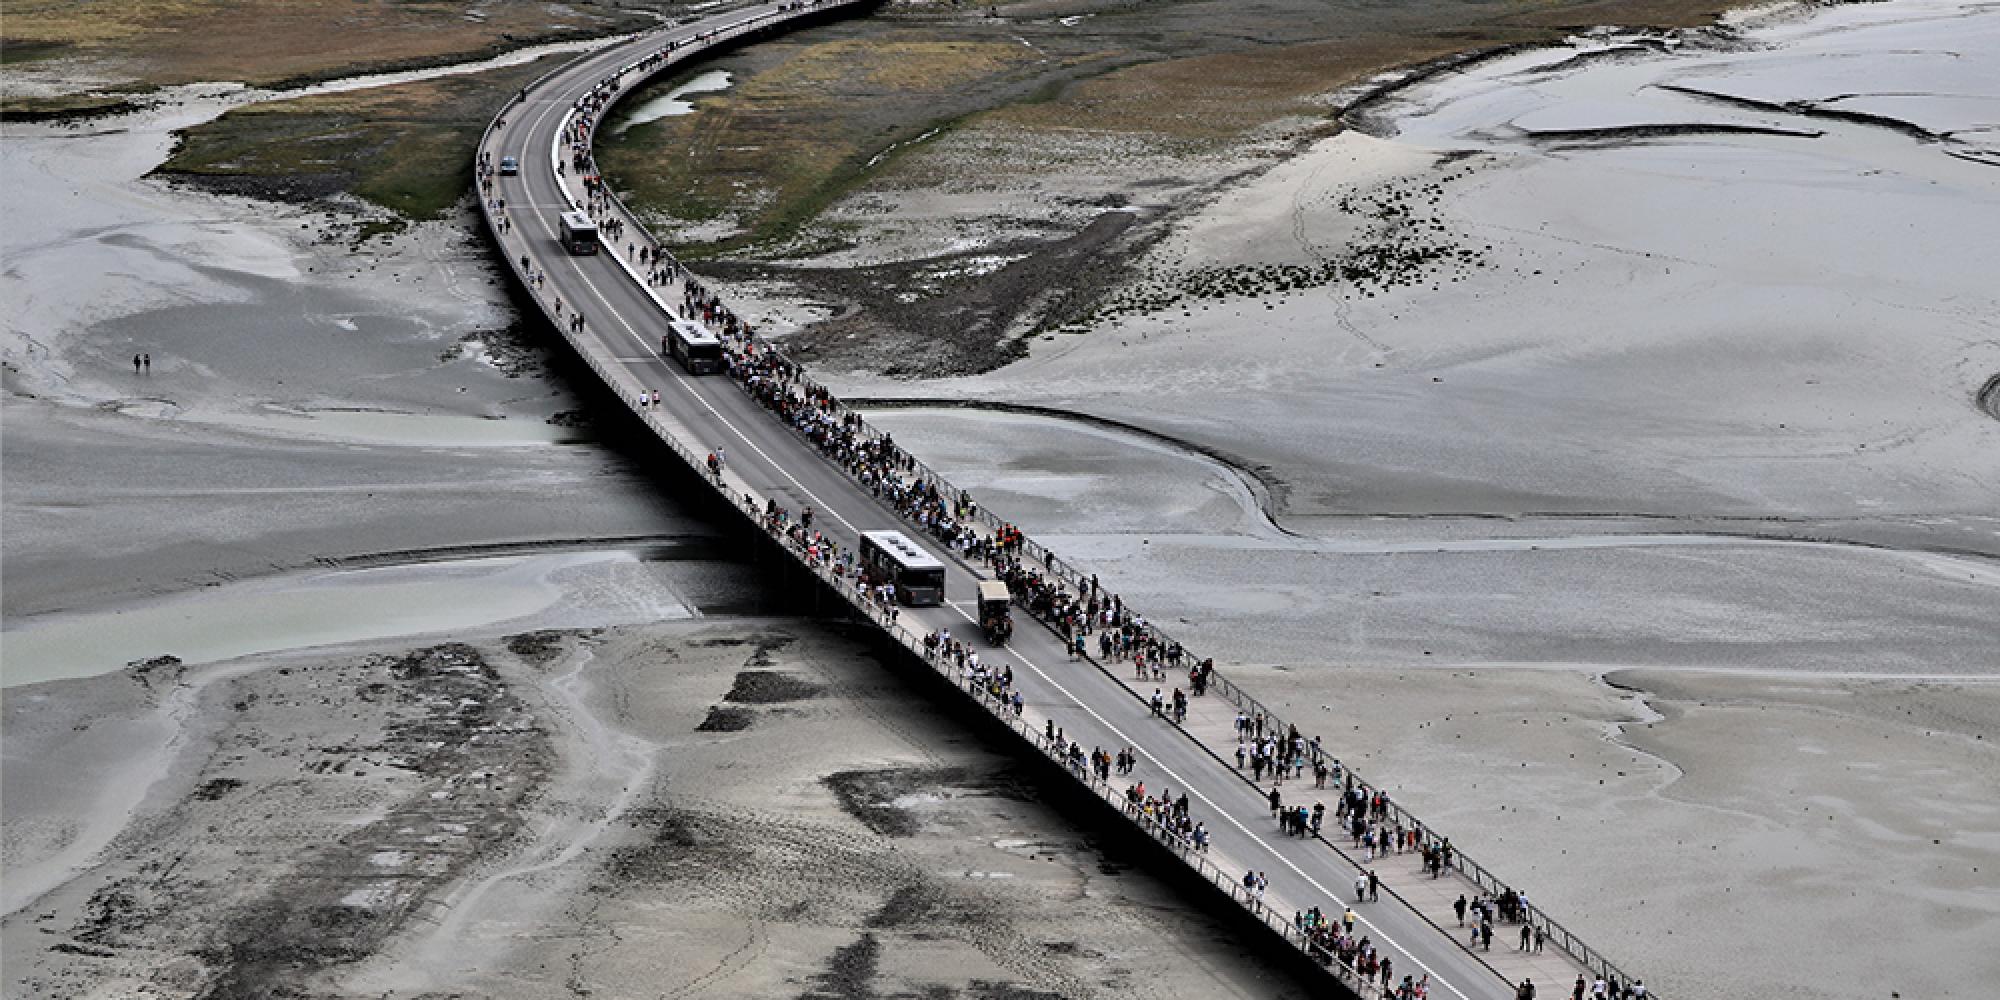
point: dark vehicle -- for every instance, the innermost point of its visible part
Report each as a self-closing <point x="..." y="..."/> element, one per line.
<point x="996" y="618"/>
<point x="887" y="557"/>
<point x="698" y="350"/>
<point x="579" y="234"/>
<point x="509" y="166"/>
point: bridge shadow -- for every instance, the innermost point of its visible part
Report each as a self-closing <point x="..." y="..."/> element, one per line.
<point x="784" y="588"/>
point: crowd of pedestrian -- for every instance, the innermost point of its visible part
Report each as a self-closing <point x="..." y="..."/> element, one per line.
<point x="1080" y="611"/>
<point x="1265" y="747"/>
<point x="1335" y="942"/>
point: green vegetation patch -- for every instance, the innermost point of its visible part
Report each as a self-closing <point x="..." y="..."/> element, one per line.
<point x="284" y="42"/>
<point x="14" y="53"/>
<point x="67" y="107"/>
<point x="407" y="148"/>
<point x="823" y="113"/>
<point x="807" y="119"/>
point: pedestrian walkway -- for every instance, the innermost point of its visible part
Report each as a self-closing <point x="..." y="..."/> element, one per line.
<point x="1211" y="720"/>
<point x="795" y="451"/>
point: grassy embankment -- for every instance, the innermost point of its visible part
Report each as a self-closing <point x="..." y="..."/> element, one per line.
<point x="401" y="147"/>
<point x="407" y="148"/>
<point x="809" y="120"/>
<point x="809" y="113"/>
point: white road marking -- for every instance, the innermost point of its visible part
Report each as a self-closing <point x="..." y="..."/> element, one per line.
<point x="577" y="269"/>
<point x="555" y="159"/>
<point x="1221" y="812"/>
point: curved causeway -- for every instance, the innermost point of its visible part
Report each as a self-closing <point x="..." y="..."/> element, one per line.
<point x="788" y="446"/>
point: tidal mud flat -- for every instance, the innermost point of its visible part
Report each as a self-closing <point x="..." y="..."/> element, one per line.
<point x="1659" y="457"/>
<point x="547" y="813"/>
<point x="1559" y="568"/>
<point x="322" y="386"/>
<point x="341" y="441"/>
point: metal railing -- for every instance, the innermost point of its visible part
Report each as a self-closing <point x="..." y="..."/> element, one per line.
<point x="747" y="499"/>
<point x="1079" y="582"/>
<point x="999" y="708"/>
<point x="1074" y="578"/>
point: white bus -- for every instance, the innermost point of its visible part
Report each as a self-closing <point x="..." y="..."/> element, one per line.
<point x="887" y="557"/>
<point x="691" y="344"/>
<point x="579" y="234"/>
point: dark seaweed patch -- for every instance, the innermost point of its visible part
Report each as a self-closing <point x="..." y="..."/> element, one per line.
<point x="770" y="687"/>
<point x="726" y="719"/>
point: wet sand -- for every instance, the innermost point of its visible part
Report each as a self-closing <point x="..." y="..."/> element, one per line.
<point x="311" y="399"/>
<point x="283" y="710"/>
<point x="1423" y="555"/>
<point x="741" y="808"/>
<point x="1694" y="414"/>
<point x="1778" y="726"/>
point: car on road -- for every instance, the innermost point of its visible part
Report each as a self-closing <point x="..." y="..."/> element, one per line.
<point x="509" y="166"/>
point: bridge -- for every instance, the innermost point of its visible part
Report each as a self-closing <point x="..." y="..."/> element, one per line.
<point x="777" y="445"/>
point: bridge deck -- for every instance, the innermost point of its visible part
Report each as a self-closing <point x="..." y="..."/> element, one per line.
<point x="767" y="461"/>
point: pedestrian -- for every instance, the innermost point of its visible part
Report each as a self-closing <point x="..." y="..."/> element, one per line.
<point x="1486" y="935"/>
<point x="1459" y="908"/>
<point x="1374" y="886"/>
<point x="1277" y="801"/>
<point x="1527" y="937"/>
<point x="1540" y="936"/>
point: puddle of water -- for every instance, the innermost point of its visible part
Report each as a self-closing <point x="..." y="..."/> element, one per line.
<point x="515" y="57"/>
<point x="879" y="157"/>
<point x="317" y="609"/>
<point x="671" y="104"/>
<point x="369" y="898"/>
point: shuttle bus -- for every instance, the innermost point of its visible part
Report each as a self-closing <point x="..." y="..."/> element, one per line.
<point x="579" y="234"/>
<point x="691" y="344"/>
<point x="995" y="612"/>
<point x="887" y="557"/>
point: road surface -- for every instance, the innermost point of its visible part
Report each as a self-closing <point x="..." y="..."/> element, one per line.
<point x="620" y="336"/>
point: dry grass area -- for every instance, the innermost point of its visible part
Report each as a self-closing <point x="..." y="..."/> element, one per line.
<point x="924" y="65"/>
<point x="1226" y="95"/>
<point x="803" y="121"/>
<point x="269" y="42"/>
<point x="405" y="147"/>
<point x="835" y="111"/>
